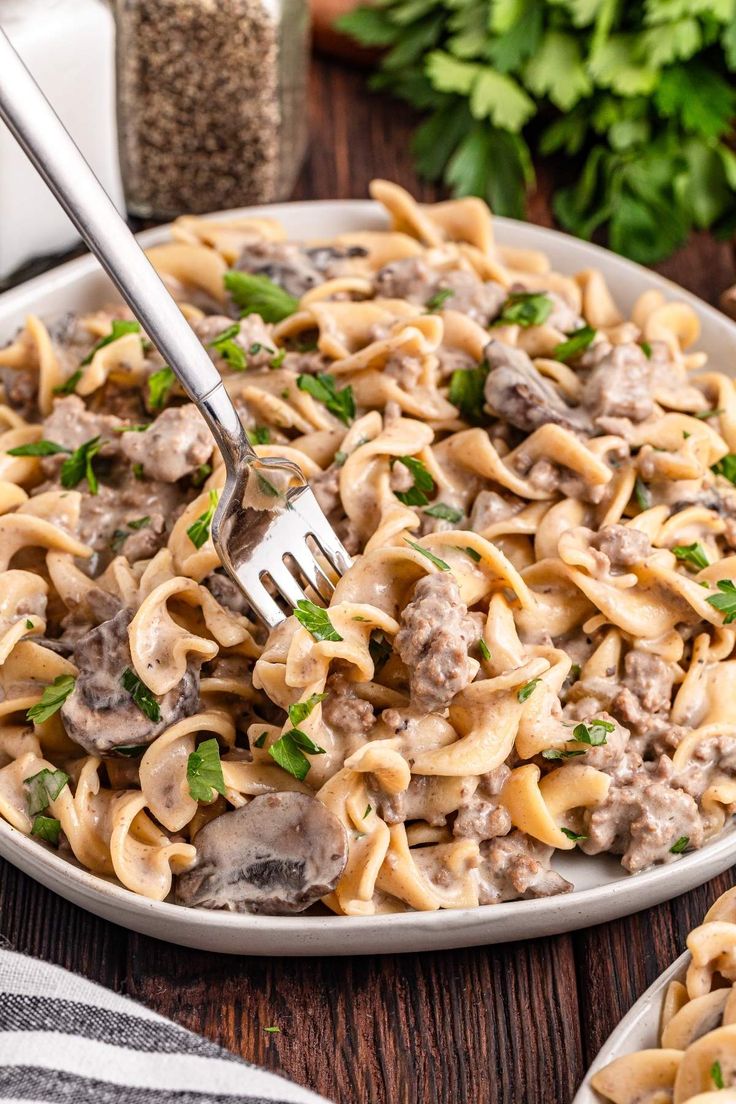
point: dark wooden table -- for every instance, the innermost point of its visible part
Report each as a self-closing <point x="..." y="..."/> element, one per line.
<point x="515" y="1024"/>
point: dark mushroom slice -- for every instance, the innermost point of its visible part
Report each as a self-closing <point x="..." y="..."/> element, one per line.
<point x="278" y="855"/>
<point x="100" y="714"/>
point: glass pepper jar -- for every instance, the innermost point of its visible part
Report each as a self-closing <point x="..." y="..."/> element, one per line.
<point x="211" y="98"/>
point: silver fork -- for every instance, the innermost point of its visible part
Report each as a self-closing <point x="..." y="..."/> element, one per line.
<point x="255" y="531"/>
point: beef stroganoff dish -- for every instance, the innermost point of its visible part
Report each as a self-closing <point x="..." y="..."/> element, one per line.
<point x="533" y="650"/>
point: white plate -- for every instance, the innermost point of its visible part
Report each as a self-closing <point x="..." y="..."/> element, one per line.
<point x="603" y="890"/>
<point x="638" y="1030"/>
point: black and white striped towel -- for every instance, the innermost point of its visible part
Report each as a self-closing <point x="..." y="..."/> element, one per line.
<point x="64" y="1040"/>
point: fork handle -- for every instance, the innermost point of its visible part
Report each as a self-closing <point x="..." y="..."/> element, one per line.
<point x="39" y="131"/>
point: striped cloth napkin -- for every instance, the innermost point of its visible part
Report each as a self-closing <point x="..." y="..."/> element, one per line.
<point x="64" y="1040"/>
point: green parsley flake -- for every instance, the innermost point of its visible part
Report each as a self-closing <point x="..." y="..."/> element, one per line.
<point x="716" y="1075"/>
<point x="339" y="458"/>
<point x="301" y="710"/>
<point x="575" y="671"/>
<point x="272" y="1030"/>
<point x="577" y="342"/>
<point x="120" y="327"/>
<point x="692" y="554"/>
<point x="199" y="531"/>
<point x="473" y="553"/>
<point x="678" y="847"/>
<point x="288" y="752"/>
<point x="226" y="345"/>
<point x="277" y="359"/>
<point x="437" y="301"/>
<point x="47" y="829"/>
<point x="646" y="349"/>
<point x="368" y="811"/>
<point x="527" y="690"/>
<point x="160" y="385"/>
<point x="259" y="435"/>
<point x="446" y="513"/>
<point x="467" y="392"/>
<point x="204" y="771"/>
<point x="561" y="753"/>
<point x="78" y="466"/>
<point x="261" y="740"/>
<point x="316" y="621"/>
<point x="29" y="623"/>
<point x="429" y="555"/>
<point x="703" y="415"/>
<point x="642" y="494"/>
<point x="525" y="308"/>
<point x="38" y="448"/>
<point x="52" y="699"/>
<point x="43" y="788"/>
<point x="69" y="386"/>
<point x="203" y="472"/>
<point x="138" y="471"/>
<point x="594" y="733"/>
<point x="485" y="651"/>
<point x="725" y="601"/>
<point x="323" y="388"/>
<point x="572" y="835"/>
<point x="726" y="467"/>
<point x="422" y="485"/>
<point x="141" y="695"/>
<point x="254" y="294"/>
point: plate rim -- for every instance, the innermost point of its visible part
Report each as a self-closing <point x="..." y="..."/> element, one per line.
<point x="411" y="930"/>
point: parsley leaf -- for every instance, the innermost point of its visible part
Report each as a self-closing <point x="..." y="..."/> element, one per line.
<point x="120" y="327"/>
<point x="423" y="484"/>
<point x="203" y="472"/>
<point x="525" y="308"/>
<point x="52" y="699"/>
<point x="69" y="386"/>
<point x="572" y="835"/>
<point x="228" y="348"/>
<point x="301" y="710"/>
<point x="38" y="448"/>
<point x="259" y="435"/>
<point x="467" y="392"/>
<point x="725" y="601"/>
<point x="79" y="466"/>
<point x="642" y="494"/>
<point x="678" y="847"/>
<point x="260" y="740"/>
<point x="43" y="788"/>
<point x="594" y="733"/>
<point x="288" y="751"/>
<point x="323" y="388"/>
<point x="485" y="651"/>
<point x="716" y="1075"/>
<point x="204" y="771"/>
<point x="199" y="531"/>
<point x="527" y="690"/>
<point x="258" y="295"/>
<point x="316" y="620"/>
<point x="46" y="828"/>
<point x="446" y="513"/>
<point x="159" y="387"/>
<point x="576" y="343"/>
<point x="692" y="554"/>
<point x="561" y="753"/>
<point x="430" y="555"/>
<point x="437" y="301"/>
<point x="141" y="695"/>
<point x="726" y="467"/>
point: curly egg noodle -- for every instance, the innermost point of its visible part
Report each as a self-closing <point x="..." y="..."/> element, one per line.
<point x="696" y="1057"/>
<point x="532" y="652"/>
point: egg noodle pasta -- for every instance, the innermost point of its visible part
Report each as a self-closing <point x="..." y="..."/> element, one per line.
<point x="532" y="652"/>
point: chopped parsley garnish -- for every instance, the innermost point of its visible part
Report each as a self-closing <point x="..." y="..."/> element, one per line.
<point x="140" y="428"/>
<point x="315" y="620"/>
<point x="288" y="751"/>
<point x="120" y="536"/>
<point x="725" y="601"/>
<point x="572" y="835"/>
<point x="726" y="467"/>
<point x="323" y="388"/>
<point x="380" y="650"/>
<point x="474" y="555"/>
<point x="260" y="741"/>
<point x="29" y="623"/>
<point x="368" y="811"/>
<point x="78" y="466"/>
<point x="203" y="472"/>
<point x="277" y="359"/>
<point x="716" y="1075"/>
<point x="702" y="415"/>
<point x="254" y="294"/>
<point x="466" y="392"/>
<point x="120" y="327"/>
<point x="199" y="531"/>
<point x="141" y="695"/>
<point x="43" y="788"/>
<point x="646" y="348"/>
<point x="527" y="690"/>
<point x="642" y="494"/>
<point x="159" y="387"/>
<point x="678" y="847"/>
<point x="138" y="471"/>
<point x="301" y="710"/>
<point x="525" y="308"/>
<point x="46" y="828"/>
<point x="339" y="458"/>
<point x="69" y="386"/>
<point x="228" y="348"/>
<point x="139" y="523"/>
<point x="423" y="483"/>
<point x="259" y="435"/>
<point x="52" y="699"/>
<point x="38" y="448"/>
<point x="594" y="733"/>
<point x="204" y="771"/>
<point x="272" y="1030"/>
<point x="574" y="671"/>
<point x="561" y="753"/>
<point x="692" y="553"/>
<point x="131" y="751"/>
<point x="485" y="651"/>
<point x="437" y="301"/>
<point x="266" y="487"/>
<point x="577" y="342"/>
<point x="445" y="512"/>
<point x="430" y="555"/>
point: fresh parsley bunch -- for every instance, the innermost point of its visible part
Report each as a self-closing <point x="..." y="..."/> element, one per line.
<point x="637" y="95"/>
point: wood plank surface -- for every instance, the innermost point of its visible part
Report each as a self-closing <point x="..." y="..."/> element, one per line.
<point x="515" y="1024"/>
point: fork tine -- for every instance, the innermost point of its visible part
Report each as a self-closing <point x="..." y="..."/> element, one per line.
<point x="286" y="584"/>
<point x="262" y="602"/>
<point x="312" y="572"/>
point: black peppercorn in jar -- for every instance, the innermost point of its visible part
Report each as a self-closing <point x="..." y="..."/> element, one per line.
<point x="210" y="102"/>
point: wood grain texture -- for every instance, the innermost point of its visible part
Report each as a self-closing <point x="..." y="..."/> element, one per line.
<point x="516" y="1024"/>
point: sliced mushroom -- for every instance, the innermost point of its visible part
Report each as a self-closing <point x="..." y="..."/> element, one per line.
<point x="278" y="854"/>
<point x="100" y="714"/>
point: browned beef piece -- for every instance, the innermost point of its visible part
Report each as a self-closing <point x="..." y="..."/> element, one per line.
<point x="516" y="867"/>
<point x="516" y="391"/>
